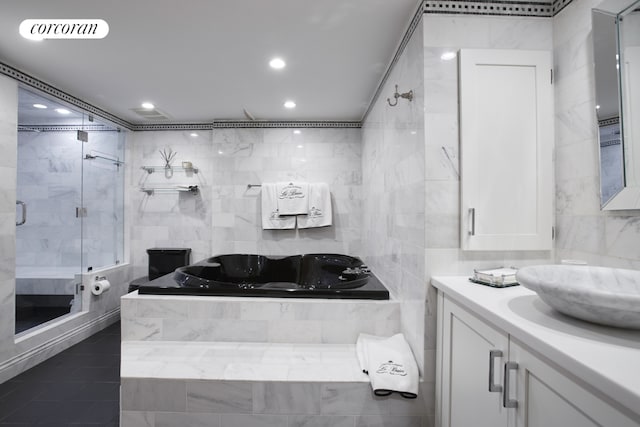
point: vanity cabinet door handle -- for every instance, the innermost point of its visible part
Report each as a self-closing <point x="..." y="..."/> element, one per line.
<point x="472" y="216"/>
<point x="506" y="401"/>
<point x="493" y="387"/>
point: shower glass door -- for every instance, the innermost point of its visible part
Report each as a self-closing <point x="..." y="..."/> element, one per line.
<point x="102" y="196"/>
<point x="48" y="231"/>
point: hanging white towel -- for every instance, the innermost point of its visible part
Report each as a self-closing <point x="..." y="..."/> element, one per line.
<point x="390" y="365"/>
<point x="271" y="220"/>
<point x="293" y="198"/>
<point x="320" y="214"/>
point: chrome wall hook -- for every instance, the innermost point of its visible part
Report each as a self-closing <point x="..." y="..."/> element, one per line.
<point x="406" y="95"/>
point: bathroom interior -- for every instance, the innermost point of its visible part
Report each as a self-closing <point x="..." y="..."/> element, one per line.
<point x="98" y="197"/>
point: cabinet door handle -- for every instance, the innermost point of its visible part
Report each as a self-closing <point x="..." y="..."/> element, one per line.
<point x="472" y="225"/>
<point x="493" y="387"/>
<point x="23" y="207"/>
<point x="506" y="401"/>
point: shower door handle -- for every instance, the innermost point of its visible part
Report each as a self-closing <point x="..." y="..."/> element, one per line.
<point x="23" y="205"/>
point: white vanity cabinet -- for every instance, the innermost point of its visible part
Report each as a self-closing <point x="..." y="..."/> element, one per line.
<point x="506" y="142"/>
<point x="487" y="378"/>
<point x="472" y="354"/>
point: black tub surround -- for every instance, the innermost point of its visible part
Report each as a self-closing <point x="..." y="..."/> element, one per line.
<point x="297" y="276"/>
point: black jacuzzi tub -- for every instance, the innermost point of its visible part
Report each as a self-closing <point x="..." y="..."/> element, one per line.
<point x="296" y="276"/>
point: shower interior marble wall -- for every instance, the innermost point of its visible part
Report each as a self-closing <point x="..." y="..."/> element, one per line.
<point x="224" y="217"/>
<point x="50" y="181"/>
<point x="103" y="187"/>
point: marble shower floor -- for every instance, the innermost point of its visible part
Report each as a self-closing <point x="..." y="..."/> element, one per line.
<point x="78" y="387"/>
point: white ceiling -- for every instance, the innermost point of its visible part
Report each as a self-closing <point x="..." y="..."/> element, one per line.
<point x="205" y="60"/>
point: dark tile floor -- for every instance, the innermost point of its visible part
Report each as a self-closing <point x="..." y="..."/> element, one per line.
<point x="78" y="387"/>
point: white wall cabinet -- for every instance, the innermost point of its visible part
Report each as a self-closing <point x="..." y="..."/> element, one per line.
<point x="506" y="143"/>
<point x="486" y="378"/>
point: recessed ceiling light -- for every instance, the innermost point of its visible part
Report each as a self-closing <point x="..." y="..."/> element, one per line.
<point x="148" y="105"/>
<point x="289" y="104"/>
<point x="448" y="56"/>
<point x="193" y="134"/>
<point x="277" y="63"/>
<point x="39" y="106"/>
<point x="62" y="111"/>
<point x="300" y="146"/>
<point x="297" y="131"/>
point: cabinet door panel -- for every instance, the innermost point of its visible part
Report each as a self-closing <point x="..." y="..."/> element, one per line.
<point x="466" y="398"/>
<point x="540" y="398"/>
<point x="547" y="398"/>
<point x="506" y="133"/>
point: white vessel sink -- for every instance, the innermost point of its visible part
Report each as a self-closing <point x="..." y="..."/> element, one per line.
<point x="607" y="296"/>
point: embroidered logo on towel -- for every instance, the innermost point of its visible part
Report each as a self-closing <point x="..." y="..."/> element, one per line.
<point x="315" y="212"/>
<point x="291" y="192"/>
<point x="391" y="368"/>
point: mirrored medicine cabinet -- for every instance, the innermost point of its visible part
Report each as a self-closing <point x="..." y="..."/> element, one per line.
<point x="616" y="55"/>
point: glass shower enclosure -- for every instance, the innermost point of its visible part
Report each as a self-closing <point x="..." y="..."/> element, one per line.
<point x="69" y="207"/>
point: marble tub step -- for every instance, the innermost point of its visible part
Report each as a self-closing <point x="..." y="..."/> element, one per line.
<point x="241" y="361"/>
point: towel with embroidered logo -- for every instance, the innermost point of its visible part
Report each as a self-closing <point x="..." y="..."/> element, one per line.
<point x="390" y="364"/>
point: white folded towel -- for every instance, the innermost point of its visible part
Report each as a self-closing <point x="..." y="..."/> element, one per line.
<point x="271" y="220"/>
<point x="390" y="365"/>
<point x="293" y="198"/>
<point x="320" y="214"/>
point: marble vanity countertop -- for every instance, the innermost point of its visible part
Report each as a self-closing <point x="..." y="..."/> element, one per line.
<point x="606" y="359"/>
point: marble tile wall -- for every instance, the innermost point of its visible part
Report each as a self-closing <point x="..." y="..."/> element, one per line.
<point x="225" y="216"/>
<point x="8" y="168"/>
<point x="166" y="318"/>
<point x="171" y="219"/>
<point x="442" y="255"/>
<point x="103" y="227"/>
<point x="50" y="181"/>
<point x="163" y="402"/>
<point x="583" y="230"/>
<point x="394" y="191"/>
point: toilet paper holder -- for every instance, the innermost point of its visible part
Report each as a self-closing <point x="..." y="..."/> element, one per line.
<point x="100" y="285"/>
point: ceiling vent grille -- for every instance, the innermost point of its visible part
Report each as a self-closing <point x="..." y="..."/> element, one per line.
<point x="151" y="114"/>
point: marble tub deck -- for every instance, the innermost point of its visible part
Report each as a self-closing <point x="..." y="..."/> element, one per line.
<point x="241" y="361"/>
<point x="256" y="362"/>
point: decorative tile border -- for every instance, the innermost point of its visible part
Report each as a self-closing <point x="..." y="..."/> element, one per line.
<point x="65" y="128"/>
<point x="50" y="90"/>
<point x="546" y="8"/>
<point x="57" y="93"/>
<point x="246" y="124"/>
<point x="610" y="142"/>
<point x="543" y="9"/>
<point x="558" y="5"/>
<point x="611" y="121"/>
